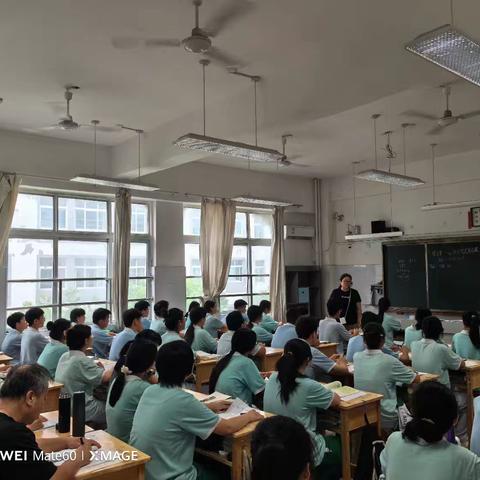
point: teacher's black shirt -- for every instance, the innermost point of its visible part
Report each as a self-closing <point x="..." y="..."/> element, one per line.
<point x="347" y="300"/>
<point x="16" y="437"/>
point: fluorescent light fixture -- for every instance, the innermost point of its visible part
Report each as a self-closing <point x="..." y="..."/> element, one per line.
<point x="451" y="49"/>
<point x="112" y="182"/>
<point x="443" y="206"/>
<point x="382" y="176"/>
<point x="264" y="202"/>
<point x="373" y="236"/>
<point x="193" y="141"/>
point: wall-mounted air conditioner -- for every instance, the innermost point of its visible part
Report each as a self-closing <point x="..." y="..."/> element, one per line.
<point x="299" y="232"/>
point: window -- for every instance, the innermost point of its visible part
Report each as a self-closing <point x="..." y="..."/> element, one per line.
<point x="249" y="275"/>
<point x="63" y="262"/>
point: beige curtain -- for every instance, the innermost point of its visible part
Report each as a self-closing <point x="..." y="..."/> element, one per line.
<point x="277" y="270"/>
<point x="121" y="254"/>
<point x="9" y="185"/>
<point x="217" y="228"/>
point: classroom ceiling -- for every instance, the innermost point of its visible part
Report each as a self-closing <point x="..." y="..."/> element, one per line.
<point x="326" y="67"/>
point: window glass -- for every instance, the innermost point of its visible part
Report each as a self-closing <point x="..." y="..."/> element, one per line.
<point x="191" y="221"/>
<point x="260" y="225"/>
<point x="138" y="260"/>
<point x="240" y="225"/>
<point x="192" y="260"/>
<point x="194" y="287"/>
<point x="261" y="259"/>
<point x="236" y="285"/>
<point x="29" y="294"/>
<point x="89" y="309"/>
<point x="33" y="212"/>
<point x="29" y="259"/>
<point x="226" y="303"/>
<point x="261" y="284"/>
<point x="239" y="264"/>
<point x="80" y="259"/>
<point x="139" y="220"/>
<point x="81" y="215"/>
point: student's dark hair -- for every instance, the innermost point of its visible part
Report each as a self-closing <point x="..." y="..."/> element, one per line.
<point x="243" y="341"/>
<point x="373" y="334"/>
<point x="195" y="316"/>
<point x="239" y="303"/>
<point x="333" y="306"/>
<point x="472" y="321"/>
<point x="265" y="305"/>
<point x="161" y="308"/>
<point x="121" y="357"/>
<point x="130" y="315"/>
<point x="32" y="314"/>
<point x="174" y="362"/>
<point x="75" y="313"/>
<point x="77" y="335"/>
<point x="345" y="275"/>
<point x="234" y="321"/>
<point x="100" y="314"/>
<point x="139" y="358"/>
<point x="432" y="328"/>
<point x="292" y="315"/>
<point x="15" y="318"/>
<point x="58" y="327"/>
<point x="173" y="318"/>
<point x="150" y="336"/>
<point x="295" y="354"/>
<point x="22" y="379"/>
<point x="383" y="305"/>
<point x="305" y="326"/>
<point x="142" y="305"/>
<point x="209" y="305"/>
<point x="434" y="410"/>
<point x="369" y="317"/>
<point x="193" y="304"/>
<point x="420" y="314"/>
<point x="254" y="312"/>
<point x="281" y="448"/>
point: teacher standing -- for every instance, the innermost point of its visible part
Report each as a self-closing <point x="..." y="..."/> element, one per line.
<point x="350" y="301"/>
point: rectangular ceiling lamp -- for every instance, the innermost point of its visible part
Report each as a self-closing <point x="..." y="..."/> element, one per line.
<point x="193" y="141"/>
<point x="451" y="49"/>
<point x="444" y="206"/>
<point x="381" y="176"/>
<point x="111" y="182"/>
<point x="264" y="202"/>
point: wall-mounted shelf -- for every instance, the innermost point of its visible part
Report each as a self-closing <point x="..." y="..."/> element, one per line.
<point x="373" y="236"/>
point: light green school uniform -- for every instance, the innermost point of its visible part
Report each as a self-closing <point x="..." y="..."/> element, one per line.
<point x="432" y="357"/>
<point x="262" y="334"/>
<point x="120" y="417"/>
<point x="78" y="373"/>
<point x="462" y="345"/>
<point x="302" y="406"/>
<point x="402" y="459"/>
<point x="170" y="336"/>
<point x="412" y="335"/>
<point x="268" y="323"/>
<point x="390" y="324"/>
<point x="203" y="341"/>
<point x="213" y="325"/>
<point x="51" y="355"/>
<point x="170" y="439"/>
<point x="378" y="372"/>
<point x="158" y="325"/>
<point x="240" y="379"/>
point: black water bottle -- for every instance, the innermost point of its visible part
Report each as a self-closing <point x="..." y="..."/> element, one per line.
<point x="78" y="414"/>
<point x="64" y="406"/>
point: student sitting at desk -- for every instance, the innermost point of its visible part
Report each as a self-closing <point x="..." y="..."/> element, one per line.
<point x="132" y="320"/>
<point x="421" y="451"/>
<point x="13" y="339"/>
<point x="196" y="336"/>
<point x="179" y="419"/>
<point x="213" y="325"/>
<point x="322" y="368"/>
<point x="289" y="392"/>
<point x="331" y="330"/>
<point x="467" y="342"/>
<point x="390" y="324"/>
<point x="33" y="341"/>
<point x="77" y="315"/>
<point x="160" y="310"/>
<point x="56" y="348"/>
<point x="254" y="314"/>
<point x="174" y="323"/>
<point x="268" y="323"/>
<point x="79" y="373"/>
<point x="137" y="373"/>
<point x="286" y="332"/>
<point x="22" y="398"/>
<point x="102" y="338"/>
<point x="237" y="375"/>
<point x="193" y="305"/>
<point x="241" y="305"/>
<point x="281" y="448"/>
<point x="143" y="306"/>
<point x="378" y="372"/>
<point x="414" y="333"/>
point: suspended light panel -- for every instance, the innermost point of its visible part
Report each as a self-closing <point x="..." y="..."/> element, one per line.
<point x="112" y="182"/>
<point x="451" y="49"/>
<point x="444" y="206"/>
<point x="264" y="202"/>
<point x="390" y="178"/>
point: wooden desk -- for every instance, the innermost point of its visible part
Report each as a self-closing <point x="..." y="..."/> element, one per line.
<point x="269" y="362"/>
<point x="203" y="370"/>
<point x="328" y="349"/>
<point x="52" y="432"/>
<point x="472" y="372"/>
<point x="51" y="403"/>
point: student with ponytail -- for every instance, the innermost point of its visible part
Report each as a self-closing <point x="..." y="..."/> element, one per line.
<point x="254" y="314"/>
<point x="268" y="323"/>
<point x="196" y="336"/>
<point x="160" y="309"/>
<point x="467" y="342"/>
<point x="56" y="348"/>
<point x="137" y="373"/>
<point x="414" y="333"/>
<point x="236" y="374"/>
<point x="175" y="323"/>
<point x="290" y="393"/>
<point x="421" y="451"/>
<point x="390" y="324"/>
<point x="192" y="306"/>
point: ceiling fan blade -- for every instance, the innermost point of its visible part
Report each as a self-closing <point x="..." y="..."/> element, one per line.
<point x="50" y="127"/>
<point x="415" y="113"/>
<point x="162" y="42"/>
<point x="224" y="59"/>
<point x="126" y="43"/>
<point x="103" y="128"/>
<point x="465" y="116"/>
<point x="226" y="15"/>
<point x="436" y="130"/>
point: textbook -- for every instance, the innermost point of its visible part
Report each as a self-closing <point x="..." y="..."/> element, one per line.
<point x="348" y="393"/>
<point x="238" y="407"/>
<point x="215" y="397"/>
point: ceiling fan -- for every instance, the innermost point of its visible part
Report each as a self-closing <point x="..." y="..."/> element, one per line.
<point x="199" y="40"/>
<point x="287" y="161"/>
<point x="447" y="119"/>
